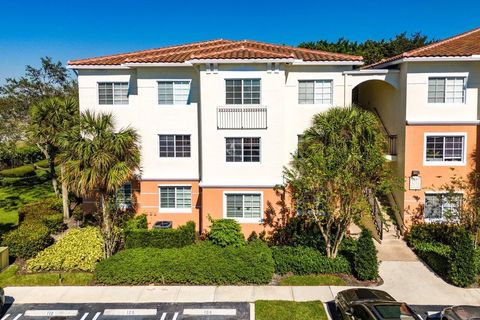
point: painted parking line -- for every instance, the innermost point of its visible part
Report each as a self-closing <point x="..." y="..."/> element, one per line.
<point x="18" y="316"/>
<point x="130" y="312"/>
<point x="51" y="313"/>
<point x="6" y="316"/>
<point x="97" y="315"/>
<point x="163" y="316"/>
<point x="84" y="316"/>
<point x="210" y="312"/>
<point x="175" y="316"/>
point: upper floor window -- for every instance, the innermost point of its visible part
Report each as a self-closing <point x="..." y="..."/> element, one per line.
<point x="243" y="205"/>
<point x="113" y="93"/>
<point x="445" y="148"/>
<point x="175" y="197"/>
<point x="242" y="149"/>
<point x="315" y="92"/>
<point x="174" y="146"/>
<point x="442" y="206"/>
<point x="242" y="91"/>
<point x="446" y="90"/>
<point x="173" y="92"/>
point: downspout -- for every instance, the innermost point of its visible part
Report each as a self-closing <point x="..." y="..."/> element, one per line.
<point x="344" y="89"/>
<point x="199" y="135"/>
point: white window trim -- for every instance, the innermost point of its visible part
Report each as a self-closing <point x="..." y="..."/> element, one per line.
<point x="431" y="220"/>
<point x="174" y="210"/>
<point x="113" y="104"/>
<point x="449" y="75"/>
<point x="246" y="163"/>
<point x="316" y="104"/>
<point x="243" y="220"/>
<point x="174" y="105"/>
<point x="445" y="163"/>
<point x="242" y="104"/>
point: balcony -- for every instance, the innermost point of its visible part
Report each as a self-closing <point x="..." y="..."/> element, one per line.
<point x="242" y="117"/>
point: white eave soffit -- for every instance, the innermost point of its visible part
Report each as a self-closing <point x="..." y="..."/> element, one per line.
<point x="475" y="57"/>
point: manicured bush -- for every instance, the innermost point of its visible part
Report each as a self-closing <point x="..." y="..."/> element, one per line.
<point x="160" y="238"/>
<point x="476" y="259"/>
<point x="436" y="255"/>
<point x="27" y="240"/>
<point x="200" y="264"/>
<point x="462" y="270"/>
<point x="137" y="222"/>
<point x="19" y="172"/>
<point x="48" y="211"/>
<point x="226" y="232"/>
<point x="305" y="260"/>
<point x="299" y="231"/>
<point x="80" y="249"/>
<point x="44" y="164"/>
<point x="365" y="261"/>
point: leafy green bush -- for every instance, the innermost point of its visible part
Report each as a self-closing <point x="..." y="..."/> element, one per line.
<point x="306" y="260"/>
<point x="19" y="172"/>
<point x="48" y="211"/>
<point x="299" y="231"/>
<point x="137" y="222"/>
<point x="476" y="259"/>
<point x="462" y="270"/>
<point x="226" y="232"/>
<point x="160" y="238"/>
<point x="44" y="164"/>
<point x="365" y="261"/>
<point x="200" y="264"/>
<point x="430" y="232"/>
<point x="27" y="240"/>
<point x="79" y="249"/>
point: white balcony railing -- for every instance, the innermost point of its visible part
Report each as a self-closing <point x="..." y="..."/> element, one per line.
<point x="242" y="117"/>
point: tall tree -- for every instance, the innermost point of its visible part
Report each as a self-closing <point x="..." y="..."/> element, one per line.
<point x="99" y="159"/>
<point x="340" y="158"/>
<point x="50" y="120"/>
<point x="372" y="50"/>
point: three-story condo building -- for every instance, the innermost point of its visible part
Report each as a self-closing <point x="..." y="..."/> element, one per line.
<point x="218" y="120"/>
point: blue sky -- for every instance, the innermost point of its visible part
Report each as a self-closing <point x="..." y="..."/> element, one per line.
<point x="72" y="29"/>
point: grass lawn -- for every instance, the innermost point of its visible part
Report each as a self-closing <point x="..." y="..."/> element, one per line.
<point x="313" y="280"/>
<point x="289" y="310"/>
<point x="9" y="277"/>
<point x="16" y="194"/>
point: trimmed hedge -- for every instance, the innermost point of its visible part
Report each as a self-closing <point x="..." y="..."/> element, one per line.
<point x="161" y="238"/>
<point x="27" y="240"/>
<point x="365" y="261"/>
<point x="19" y="172"/>
<point x="48" y="211"/>
<point x="226" y="232"/>
<point x="79" y="249"/>
<point x="200" y="264"/>
<point x="306" y="260"/>
<point x="137" y="222"/>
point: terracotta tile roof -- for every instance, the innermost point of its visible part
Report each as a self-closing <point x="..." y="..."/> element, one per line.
<point x="216" y="49"/>
<point x="463" y="45"/>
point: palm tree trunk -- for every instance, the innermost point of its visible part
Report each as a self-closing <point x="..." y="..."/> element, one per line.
<point x="109" y="238"/>
<point x="65" y="202"/>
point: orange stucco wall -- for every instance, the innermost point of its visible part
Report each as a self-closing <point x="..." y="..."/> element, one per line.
<point x="212" y="199"/>
<point x="434" y="178"/>
<point x="149" y="203"/>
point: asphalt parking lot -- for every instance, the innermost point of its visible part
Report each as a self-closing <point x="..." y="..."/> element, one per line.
<point x="110" y="311"/>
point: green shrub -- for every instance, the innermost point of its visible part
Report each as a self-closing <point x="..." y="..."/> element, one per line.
<point x="44" y="164"/>
<point x="365" y="261"/>
<point x="430" y="232"/>
<point x="226" y="232"/>
<point x="27" y="240"/>
<point x="476" y="259"/>
<point x="306" y="260"/>
<point x="19" y="172"/>
<point x="300" y="231"/>
<point x="462" y="270"/>
<point x="436" y="255"/>
<point x="137" y="222"/>
<point x="48" y="211"/>
<point x="79" y="250"/>
<point x="200" y="264"/>
<point x="160" y="238"/>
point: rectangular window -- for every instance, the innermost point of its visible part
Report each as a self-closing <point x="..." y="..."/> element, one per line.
<point x="444" y="148"/>
<point x="446" y="90"/>
<point x="123" y="197"/>
<point x="245" y="205"/>
<point x="113" y="93"/>
<point x="441" y="206"/>
<point x="175" y="197"/>
<point x="174" y="146"/>
<point x="173" y="92"/>
<point x="315" y="92"/>
<point x="242" y="149"/>
<point x="242" y="91"/>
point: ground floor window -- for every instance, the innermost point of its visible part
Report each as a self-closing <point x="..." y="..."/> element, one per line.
<point x="123" y="197"/>
<point x="243" y="205"/>
<point x="442" y="206"/>
<point x="175" y="197"/>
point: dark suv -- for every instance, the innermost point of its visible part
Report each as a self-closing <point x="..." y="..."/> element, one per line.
<point x="370" y="304"/>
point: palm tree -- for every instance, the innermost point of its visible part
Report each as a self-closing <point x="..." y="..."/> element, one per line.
<point x="99" y="159"/>
<point x="50" y="119"/>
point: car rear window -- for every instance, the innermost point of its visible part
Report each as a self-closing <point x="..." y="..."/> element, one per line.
<point x="394" y="311"/>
